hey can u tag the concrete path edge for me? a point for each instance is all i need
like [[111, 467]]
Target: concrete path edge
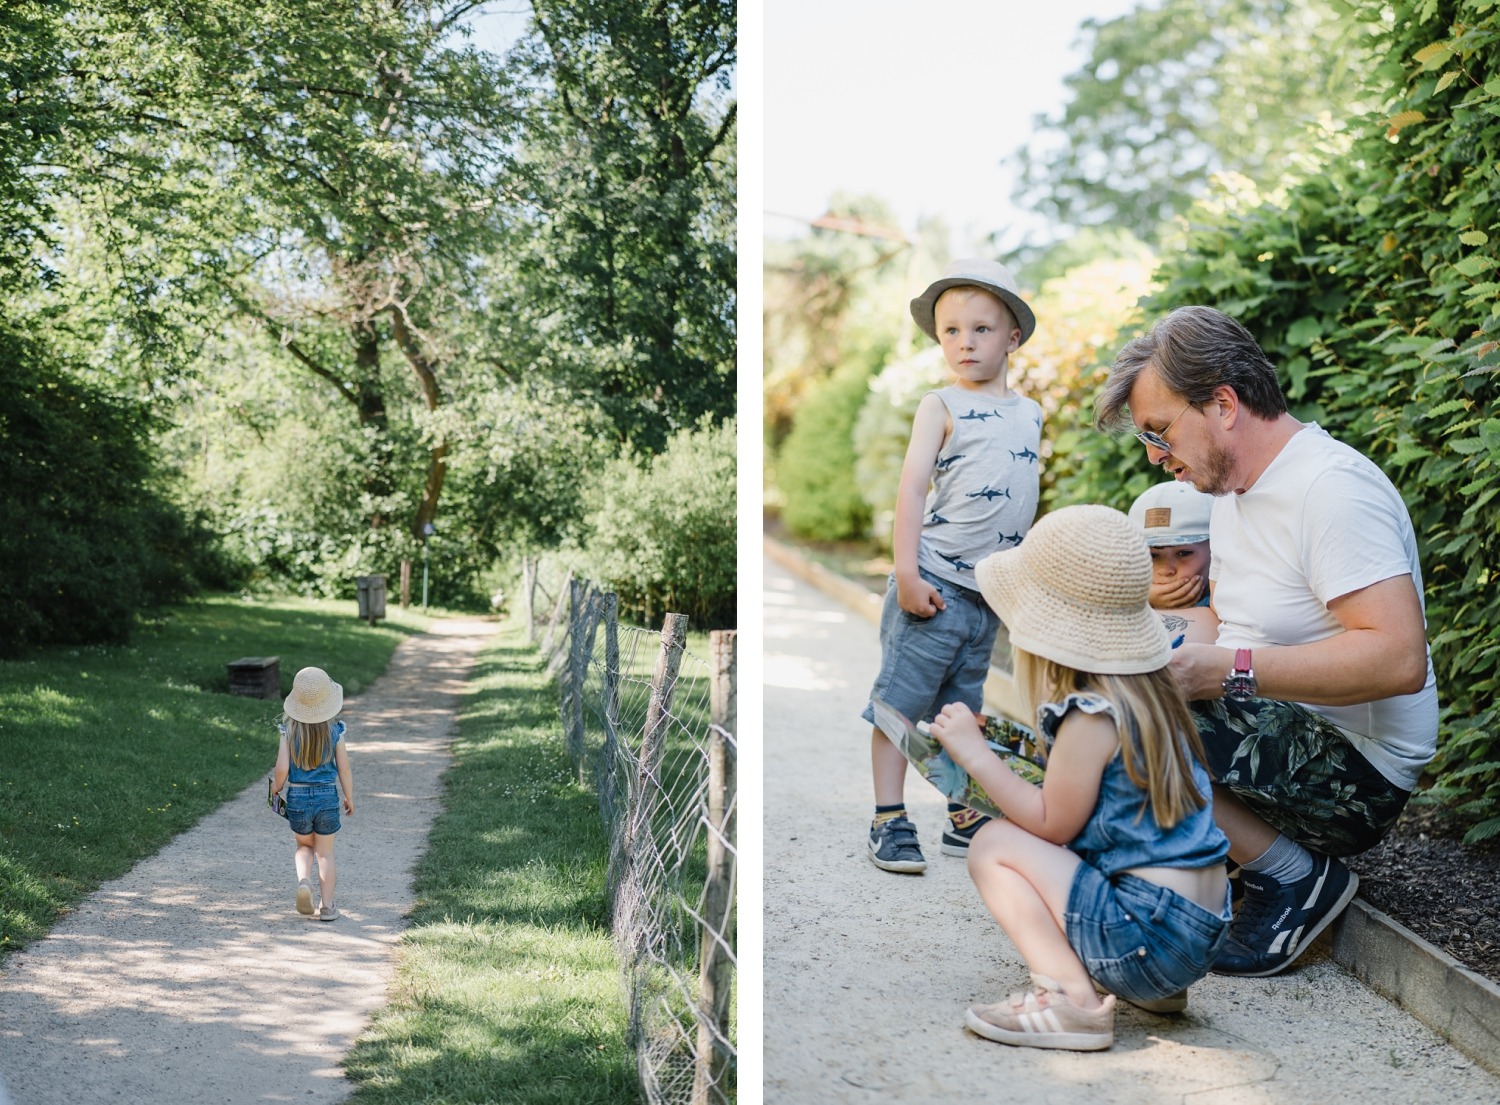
[[1460, 1005]]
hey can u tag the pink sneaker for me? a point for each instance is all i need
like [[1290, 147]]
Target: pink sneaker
[[1045, 1018]]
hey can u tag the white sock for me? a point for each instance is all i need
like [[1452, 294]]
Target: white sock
[[1285, 860]]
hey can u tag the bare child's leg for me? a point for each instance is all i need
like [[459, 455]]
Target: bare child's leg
[[888, 768], [327, 870], [1025, 881], [893, 838], [302, 859]]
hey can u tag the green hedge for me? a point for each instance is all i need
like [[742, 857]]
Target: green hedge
[[87, 536], [1374, 287], [662, 532], [815, 468]]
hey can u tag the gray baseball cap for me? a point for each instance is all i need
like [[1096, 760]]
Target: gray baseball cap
[[975, 272], [1172, 513]]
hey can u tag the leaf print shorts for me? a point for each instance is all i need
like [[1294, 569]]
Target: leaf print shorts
[[1298, 772]]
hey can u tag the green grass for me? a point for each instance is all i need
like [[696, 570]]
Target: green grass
[[508, 986], [106, 753]]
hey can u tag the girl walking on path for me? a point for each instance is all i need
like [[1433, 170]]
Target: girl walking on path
[[1112, 871], [312, 755]]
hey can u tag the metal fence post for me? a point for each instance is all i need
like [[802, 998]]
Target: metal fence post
[[716, 957]]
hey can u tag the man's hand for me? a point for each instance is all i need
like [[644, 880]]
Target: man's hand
[[1200, 670], [918, 597], [957, 729], [1182, 591]]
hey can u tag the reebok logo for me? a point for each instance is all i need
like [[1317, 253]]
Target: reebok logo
[[1282, 918]]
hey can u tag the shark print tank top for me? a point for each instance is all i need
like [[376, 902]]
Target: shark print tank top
[[985, 484]]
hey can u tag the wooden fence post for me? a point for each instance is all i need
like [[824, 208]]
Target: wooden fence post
[[646, 792], [562, 600], [716, 964], [582, 654], [663, 686], [611, 665]]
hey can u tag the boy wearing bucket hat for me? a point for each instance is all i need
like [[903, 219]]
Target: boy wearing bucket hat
[[312, 762], [969, 486], [1111, 872]]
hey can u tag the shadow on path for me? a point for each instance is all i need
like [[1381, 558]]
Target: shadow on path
[[193, 979]]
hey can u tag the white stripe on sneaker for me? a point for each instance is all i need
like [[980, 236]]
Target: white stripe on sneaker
[[1318, 884]]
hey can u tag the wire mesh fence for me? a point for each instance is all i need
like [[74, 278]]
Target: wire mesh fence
[[651, 727]]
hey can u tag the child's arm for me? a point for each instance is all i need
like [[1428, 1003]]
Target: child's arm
[[283, 765], [1057, 810], [346, 776], [929, 429]]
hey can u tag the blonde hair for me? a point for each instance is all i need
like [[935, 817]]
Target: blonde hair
[[308, 742], [1158, 737]]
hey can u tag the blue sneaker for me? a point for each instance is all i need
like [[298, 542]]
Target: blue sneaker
[[956, 841], [1276, 923], [893, 847]]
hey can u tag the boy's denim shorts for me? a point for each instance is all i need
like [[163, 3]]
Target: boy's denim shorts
[[1140, 940], [926, 663], [313, 809]]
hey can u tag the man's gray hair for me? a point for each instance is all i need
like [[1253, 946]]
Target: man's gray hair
[[1193, 350]]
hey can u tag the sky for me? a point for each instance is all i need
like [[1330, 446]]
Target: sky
[[921, 105]]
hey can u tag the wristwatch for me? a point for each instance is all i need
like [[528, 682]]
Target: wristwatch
[[1239, 684]]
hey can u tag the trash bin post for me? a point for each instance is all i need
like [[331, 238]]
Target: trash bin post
[[370, 591]]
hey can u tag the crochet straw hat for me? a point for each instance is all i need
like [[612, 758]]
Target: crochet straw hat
[[314, 697], [1074, 592], [974, 272]]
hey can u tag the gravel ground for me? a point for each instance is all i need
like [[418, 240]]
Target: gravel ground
[[193, 978], [867, 974]]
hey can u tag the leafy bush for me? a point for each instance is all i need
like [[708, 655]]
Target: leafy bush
[[662, 532], [815, 468], [883, 428], [1373, 286], [87, 534]]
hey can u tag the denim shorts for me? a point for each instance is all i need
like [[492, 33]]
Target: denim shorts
[[313, 809], [926, 663], [1140, 940]]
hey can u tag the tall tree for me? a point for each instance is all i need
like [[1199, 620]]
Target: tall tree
[[621, 274], [1176, 91]]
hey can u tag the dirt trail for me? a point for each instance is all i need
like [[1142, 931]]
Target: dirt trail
[[193, 979]]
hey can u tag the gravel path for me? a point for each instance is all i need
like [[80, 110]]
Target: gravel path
[[193, 979], [867, 973]]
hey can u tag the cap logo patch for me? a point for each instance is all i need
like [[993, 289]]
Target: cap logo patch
[[1158, 516]]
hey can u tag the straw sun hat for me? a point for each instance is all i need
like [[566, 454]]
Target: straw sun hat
[[974, 272], [314, 697], [1075, 590]]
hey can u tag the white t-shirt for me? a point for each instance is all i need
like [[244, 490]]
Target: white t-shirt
[[1321, 522]]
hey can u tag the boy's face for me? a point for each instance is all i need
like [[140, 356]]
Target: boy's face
[[976, 332], [1173, 562]]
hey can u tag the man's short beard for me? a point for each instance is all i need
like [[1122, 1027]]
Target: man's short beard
[[1213, 477]]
